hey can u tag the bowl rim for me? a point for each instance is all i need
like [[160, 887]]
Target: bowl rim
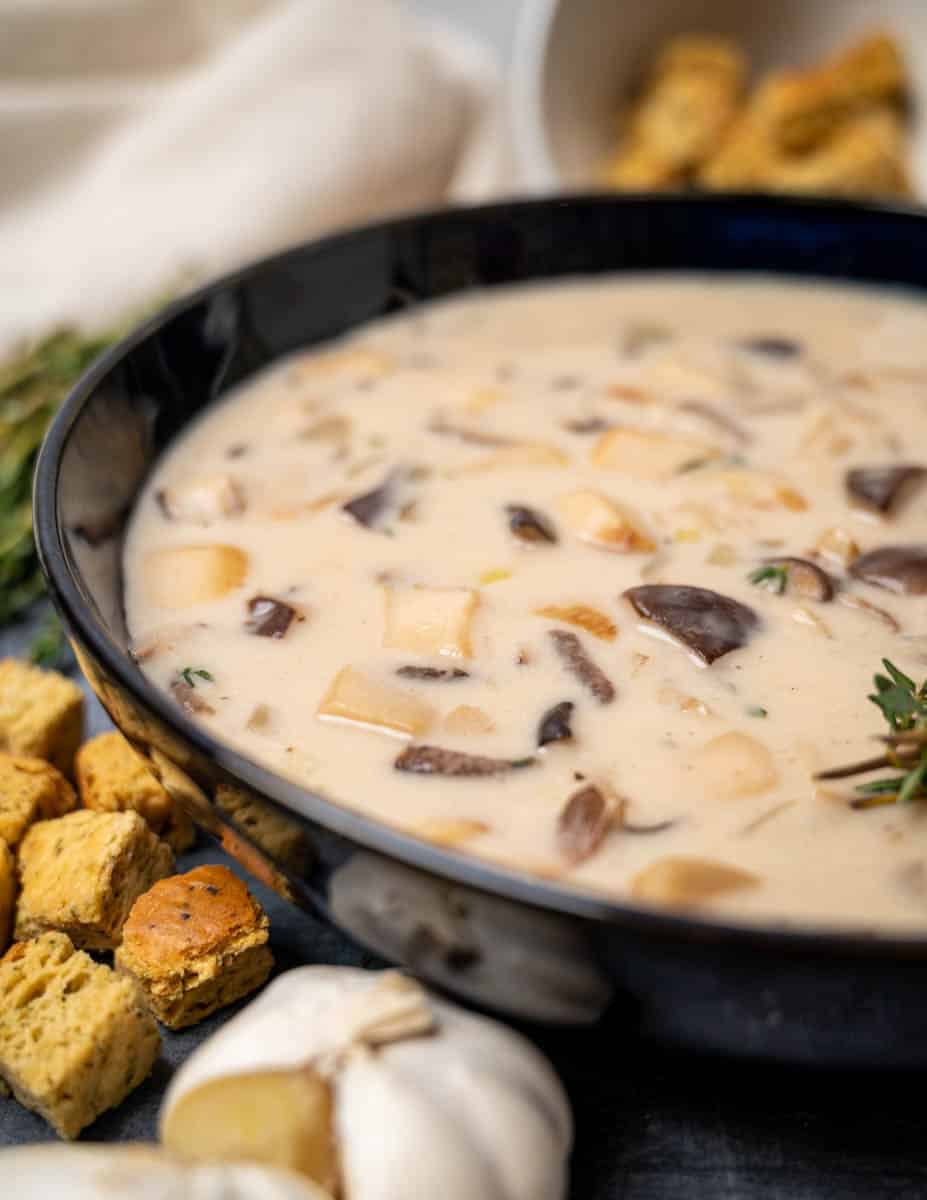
[[820, 942]]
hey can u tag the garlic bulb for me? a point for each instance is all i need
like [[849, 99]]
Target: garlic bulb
[[140, 1173], [375, 1089]]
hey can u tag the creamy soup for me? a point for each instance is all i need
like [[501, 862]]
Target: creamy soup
[[585, 579]]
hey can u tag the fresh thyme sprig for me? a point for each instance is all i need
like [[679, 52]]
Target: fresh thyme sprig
[[774, 578], [903, 704], [32, 386], [190, 675]]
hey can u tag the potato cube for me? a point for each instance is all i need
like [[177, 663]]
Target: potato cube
[[526, 454], [82, 873], [468, 719], [425, 620], [183, 575], [649, 455], [30, 790], [204, 500], [361, 700], [679, 882], [735, 765], [41, 713], [595, 519]]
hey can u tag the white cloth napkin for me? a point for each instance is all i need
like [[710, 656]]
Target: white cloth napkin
[[147, 144]]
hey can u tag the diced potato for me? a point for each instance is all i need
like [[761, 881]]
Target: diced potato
[[679, 882], [468, 719], [583, 615], [204, 500], [482, 398], [646, 454], [426, 620], [357, 698], [183, 575], [758, 489], [362, 361], [722, 555], [804, 616], [451, 832], [526, 454], [673, 698], [838, 546], [279, 1118], [594, 518], [735, 765]]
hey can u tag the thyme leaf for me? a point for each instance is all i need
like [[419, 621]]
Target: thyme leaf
[[190, 675], [773, 577]]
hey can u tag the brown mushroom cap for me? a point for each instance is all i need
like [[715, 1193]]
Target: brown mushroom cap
[[708, 623], [881, 488], [805, 578], [900, 569]]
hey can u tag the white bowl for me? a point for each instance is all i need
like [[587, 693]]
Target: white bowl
[[576, 60]]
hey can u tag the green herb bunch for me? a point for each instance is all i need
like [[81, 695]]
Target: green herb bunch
[[32, 386], [903, 704]]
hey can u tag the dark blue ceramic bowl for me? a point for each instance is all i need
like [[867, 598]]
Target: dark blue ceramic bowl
[[517, 944]]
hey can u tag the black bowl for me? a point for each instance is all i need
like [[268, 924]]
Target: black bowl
[[516, 944]]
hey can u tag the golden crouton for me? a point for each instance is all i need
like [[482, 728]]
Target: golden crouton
[[195, 943], [75, 1037], [41, 713], [801, 109], [82, 873], [30, 790], [7, 893], [682, 115], [865, 156], [113, 777]]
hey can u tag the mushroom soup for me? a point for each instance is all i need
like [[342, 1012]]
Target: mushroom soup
[[590, 579]]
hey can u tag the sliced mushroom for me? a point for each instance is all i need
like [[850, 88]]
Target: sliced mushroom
[[432, 673], [555, 724], [529, 525], [772, 346], [707, 623], [270, 618], [369, 507], [189, 698], [435, 760], [850, 600], [718, 419], [882, 488], [583, 824], [470, 437], [578, 662], [585, 425], [900, 569], [803, 578]]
